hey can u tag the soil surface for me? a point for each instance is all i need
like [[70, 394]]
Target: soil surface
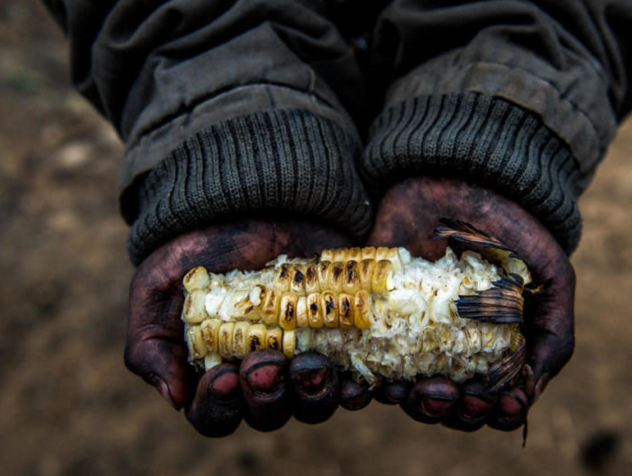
[[69, 406]]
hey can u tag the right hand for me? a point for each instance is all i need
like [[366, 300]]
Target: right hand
[[265, 389]]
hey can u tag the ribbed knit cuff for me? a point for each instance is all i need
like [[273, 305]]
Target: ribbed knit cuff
[[282, 160], [487, 140]]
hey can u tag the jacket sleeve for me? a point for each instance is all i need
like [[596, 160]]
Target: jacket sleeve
[[521, 96], [226, 107]]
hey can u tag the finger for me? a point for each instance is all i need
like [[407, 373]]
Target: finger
[[511, 410], [431, 399], [263, 376], [216, 409], [353, 395], [315, 387], [392, 393], [550, 330], [473, 409], [155, 349]]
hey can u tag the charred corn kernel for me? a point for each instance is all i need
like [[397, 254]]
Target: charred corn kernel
[[302, 319], [197, 278], [314, 312], [336, 276], [289, 343], [194, 310], [324, 272], [311, 279], [389, 254], [345, 311], [297, 281], [256, 337], [271, 306], [210, 333], [379, 313], [365, 273], [329, 307], [240, 342], [196, 342], [225, 340], [351, 278], [284, 278], [287, 315], [274, 338]]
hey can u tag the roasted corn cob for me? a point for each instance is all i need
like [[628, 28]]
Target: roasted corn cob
[[378, 312]]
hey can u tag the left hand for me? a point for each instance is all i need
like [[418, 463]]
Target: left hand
[[406, 217]]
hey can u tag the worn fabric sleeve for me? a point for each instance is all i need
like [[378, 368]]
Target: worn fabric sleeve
[[521, 96], [226, 108]]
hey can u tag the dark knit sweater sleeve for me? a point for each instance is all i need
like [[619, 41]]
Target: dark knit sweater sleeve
[[227, 108], [520, 96]]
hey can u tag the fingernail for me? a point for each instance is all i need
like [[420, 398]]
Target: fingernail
[[392, 393], [265, 378], [163, 389], [436, 405], [224, 385], [511, 404], [353, 396], [540, 385], [475, 407], [312, 381]]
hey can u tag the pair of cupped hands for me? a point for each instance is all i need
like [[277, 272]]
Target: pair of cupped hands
[[266, 389]]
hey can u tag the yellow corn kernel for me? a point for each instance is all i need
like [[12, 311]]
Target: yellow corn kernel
[[193, 311], [311, 278], [256, 337], [271, 306], [329, 306], [351, 278], [368, 252], [240, 342], [289, 343], [283, 278], [341, 254], [225, 342], [345, 311], [327, 255], [302, 319], [196, 342], [210, 333], [354, 254], [287, 312], [314, 311], [197, 278], [380, 279], [274, 338], [365, 273], [297, 279], [323, 270], [336, 276]]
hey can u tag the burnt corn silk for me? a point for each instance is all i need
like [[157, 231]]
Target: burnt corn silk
[[377, 312]]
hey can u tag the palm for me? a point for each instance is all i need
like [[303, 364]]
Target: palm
[[407, 216], [265, 388]]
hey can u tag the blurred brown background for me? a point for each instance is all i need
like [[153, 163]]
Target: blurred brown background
[[69, 407]]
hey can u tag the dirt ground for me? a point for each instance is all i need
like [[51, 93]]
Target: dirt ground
[[68, 405]]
